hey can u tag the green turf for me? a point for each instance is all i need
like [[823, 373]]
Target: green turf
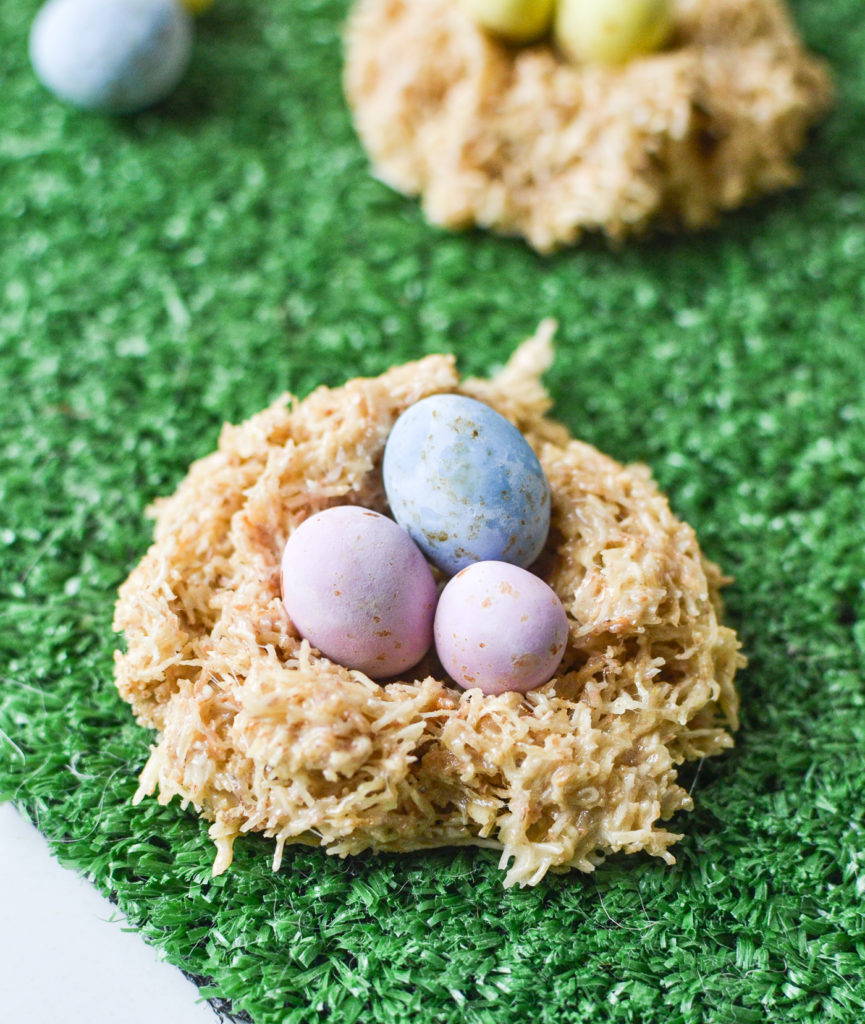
[[164, 274]]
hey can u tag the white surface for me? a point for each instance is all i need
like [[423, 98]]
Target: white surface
[[64, 956]]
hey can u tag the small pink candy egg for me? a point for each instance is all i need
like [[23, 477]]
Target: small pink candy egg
[[358, 588], [499, 628]]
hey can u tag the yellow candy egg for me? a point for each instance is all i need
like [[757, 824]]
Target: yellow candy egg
[[197, 6], [611, 31], [515, 21]]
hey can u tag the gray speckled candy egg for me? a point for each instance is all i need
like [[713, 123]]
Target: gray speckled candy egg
[[357, 587], [500, 628], [465, 484]]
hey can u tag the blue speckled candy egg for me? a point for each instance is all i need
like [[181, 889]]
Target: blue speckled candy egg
[[116, 56], [465, 484], [500, 628], [357, 587]]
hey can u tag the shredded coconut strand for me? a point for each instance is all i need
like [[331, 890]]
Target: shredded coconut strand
[[261, 733], [523, 142]]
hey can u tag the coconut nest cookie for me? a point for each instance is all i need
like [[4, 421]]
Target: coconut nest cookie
[[523, 142], [261, 733]]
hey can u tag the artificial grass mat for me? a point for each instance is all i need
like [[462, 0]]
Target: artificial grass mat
[[166, 273]]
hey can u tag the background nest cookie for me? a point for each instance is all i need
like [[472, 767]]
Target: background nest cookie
[[261, 733], [521, 142]]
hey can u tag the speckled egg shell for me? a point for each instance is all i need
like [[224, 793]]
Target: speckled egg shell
[[357, 587], [115, 56], [466, 484], [499, 628]]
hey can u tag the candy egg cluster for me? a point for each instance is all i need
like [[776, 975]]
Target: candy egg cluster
[[467, 493], [586, 31]]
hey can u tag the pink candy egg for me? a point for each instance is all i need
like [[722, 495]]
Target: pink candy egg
[[357, 587], [499, 628]]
